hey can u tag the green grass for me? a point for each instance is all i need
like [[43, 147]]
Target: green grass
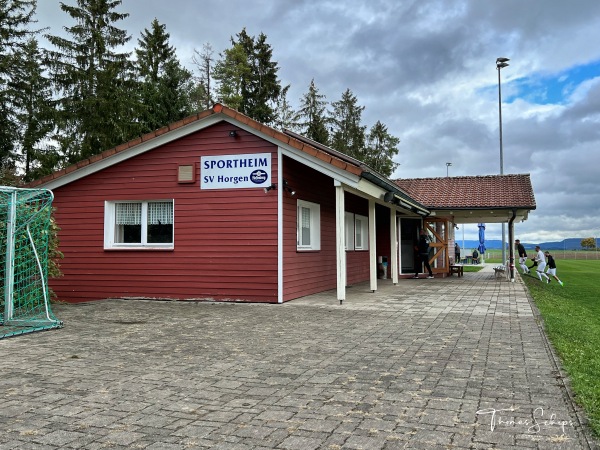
[[572, 322], [467, 268]]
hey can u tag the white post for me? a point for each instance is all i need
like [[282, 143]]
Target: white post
[[372, 247], [340, 241], [394, 246], [9, 270]]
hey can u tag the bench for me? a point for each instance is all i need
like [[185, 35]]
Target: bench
[[501, 270], [458, 269]]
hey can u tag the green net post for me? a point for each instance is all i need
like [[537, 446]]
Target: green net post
[[24, 236]]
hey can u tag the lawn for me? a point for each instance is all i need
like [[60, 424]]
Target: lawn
[[572, 322]]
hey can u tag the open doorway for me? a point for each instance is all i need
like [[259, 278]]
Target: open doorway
[[409, 235], [437, 233]]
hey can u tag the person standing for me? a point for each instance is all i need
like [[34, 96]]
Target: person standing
[[423, 249], [522, 256], [456, 253], [552, 266], [540, 259]]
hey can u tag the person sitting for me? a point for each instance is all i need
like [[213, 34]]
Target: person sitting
[[475, 257]]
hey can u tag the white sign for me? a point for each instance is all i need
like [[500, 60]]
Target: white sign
[[235, 171]]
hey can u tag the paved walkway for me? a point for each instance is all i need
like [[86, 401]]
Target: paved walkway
[[454, 363]]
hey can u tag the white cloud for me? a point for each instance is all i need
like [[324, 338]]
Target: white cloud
[[426, 68]]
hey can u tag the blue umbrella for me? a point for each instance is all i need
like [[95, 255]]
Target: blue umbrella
[[481, 247]]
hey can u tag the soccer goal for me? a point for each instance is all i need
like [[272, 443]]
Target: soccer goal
[[24, 234]]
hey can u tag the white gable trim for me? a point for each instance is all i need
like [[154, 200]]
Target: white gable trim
[[288, 150], [133, 151]]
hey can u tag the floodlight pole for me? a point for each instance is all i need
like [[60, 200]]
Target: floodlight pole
[[501, 63]]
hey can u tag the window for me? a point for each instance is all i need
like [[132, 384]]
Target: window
[[356, 231], [361, 235], [349, 231], [309, 226], [361, 229], [138, 224]]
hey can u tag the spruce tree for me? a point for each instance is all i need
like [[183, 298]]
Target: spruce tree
[[247, 77], [95, 84], [348, 134], [381, 149], [165, 85], [15, 19], [35, 113], [313, 115], [231, 72], [285, 116]]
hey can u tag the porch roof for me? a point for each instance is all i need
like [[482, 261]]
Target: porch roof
[[471, 199]]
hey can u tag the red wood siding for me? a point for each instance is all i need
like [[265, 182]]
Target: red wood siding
[[225, 240], [307, 273], [382, 225], [357, 261]]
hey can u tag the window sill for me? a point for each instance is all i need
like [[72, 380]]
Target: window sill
[[146, 248]]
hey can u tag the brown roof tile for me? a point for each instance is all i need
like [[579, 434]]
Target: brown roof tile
[[496, 191], [216, 109]]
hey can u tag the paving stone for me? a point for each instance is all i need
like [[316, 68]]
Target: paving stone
[[416, 365], [300, 443]]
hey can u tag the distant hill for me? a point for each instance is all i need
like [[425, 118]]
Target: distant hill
[[496, 244]]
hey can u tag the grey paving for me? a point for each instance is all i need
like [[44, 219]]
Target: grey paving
[[454, 363]]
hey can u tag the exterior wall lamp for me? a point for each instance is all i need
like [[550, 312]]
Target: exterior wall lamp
[[269, 188], [288, 189]]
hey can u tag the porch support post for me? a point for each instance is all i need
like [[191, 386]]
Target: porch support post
[[394, 246], [372, 246], [340, 241], [511, 245]]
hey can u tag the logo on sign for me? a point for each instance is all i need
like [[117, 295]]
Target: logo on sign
[[258, 176]]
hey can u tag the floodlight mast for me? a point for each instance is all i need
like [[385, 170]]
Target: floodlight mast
[[500, 64]]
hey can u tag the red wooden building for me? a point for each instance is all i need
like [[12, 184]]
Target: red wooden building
[[221, 207]]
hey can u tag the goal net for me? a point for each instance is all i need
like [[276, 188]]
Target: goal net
[[24, 235]]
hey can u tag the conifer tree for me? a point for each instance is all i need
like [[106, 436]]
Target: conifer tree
[[381, 149], [203, 93], [15, 18], [231, 72], [35, 113], [313, 115], [95, 84], [348, 134], [165, 85], [285, 116], [247, 77]]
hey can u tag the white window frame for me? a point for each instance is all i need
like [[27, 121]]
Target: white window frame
[[110, 228], [349, 230], [361, 225], [314, 226]]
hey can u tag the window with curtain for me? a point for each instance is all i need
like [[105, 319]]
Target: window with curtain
[[138, 224]]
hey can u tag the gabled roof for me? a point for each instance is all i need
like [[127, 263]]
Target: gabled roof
[[490, 191], [367, 172], [354, 168], [417, 195], [189, 125]]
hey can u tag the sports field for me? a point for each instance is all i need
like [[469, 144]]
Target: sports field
[[572, 321]]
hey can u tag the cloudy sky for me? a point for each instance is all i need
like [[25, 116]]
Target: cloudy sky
[[427, 69]]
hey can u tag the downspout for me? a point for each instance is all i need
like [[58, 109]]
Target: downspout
[[511, 246]]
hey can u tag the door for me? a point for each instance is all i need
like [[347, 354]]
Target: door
[[437, 229]]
